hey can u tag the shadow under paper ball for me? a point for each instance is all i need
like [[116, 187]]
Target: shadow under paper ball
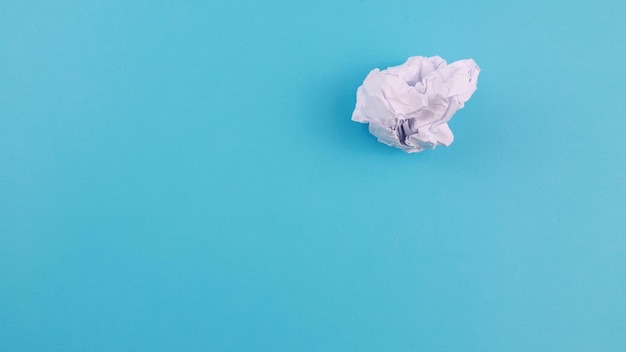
[[338, 95]]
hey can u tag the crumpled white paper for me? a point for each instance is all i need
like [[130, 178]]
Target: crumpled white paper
[[409, 106]]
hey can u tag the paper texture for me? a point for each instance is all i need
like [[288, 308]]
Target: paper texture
[[409, 106]]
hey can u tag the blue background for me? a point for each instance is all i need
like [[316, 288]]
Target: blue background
[[184, 176]]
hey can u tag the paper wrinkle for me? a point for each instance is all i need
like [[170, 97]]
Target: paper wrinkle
[[408, 106]]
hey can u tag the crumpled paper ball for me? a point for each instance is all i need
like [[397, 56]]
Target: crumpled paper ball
[[409, 106]]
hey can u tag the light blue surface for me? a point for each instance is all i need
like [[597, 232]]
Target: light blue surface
[[184, 176]]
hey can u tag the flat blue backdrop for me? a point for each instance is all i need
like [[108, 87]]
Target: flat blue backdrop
[[184, 176]]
